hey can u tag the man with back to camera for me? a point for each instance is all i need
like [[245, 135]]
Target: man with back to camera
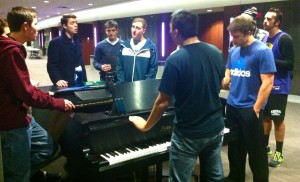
[[65, 54], [25, 144], [282, 47], [193, 75], [250, 71], [106, 51], [137, 59]]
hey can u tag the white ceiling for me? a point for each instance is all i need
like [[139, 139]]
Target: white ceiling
[[107, 9], [54, 6]]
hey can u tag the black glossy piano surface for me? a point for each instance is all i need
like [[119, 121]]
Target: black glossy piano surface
[[111, 134], [108, 136], [102, 103]]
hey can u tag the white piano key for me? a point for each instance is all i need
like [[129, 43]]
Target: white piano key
[[136, 152]]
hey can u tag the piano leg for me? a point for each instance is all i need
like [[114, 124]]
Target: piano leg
[[158, 172], [145, 175]]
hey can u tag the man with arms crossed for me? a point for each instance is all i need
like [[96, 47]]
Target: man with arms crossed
[[193, 75], [25, 144], [281, 45], [250, 72]]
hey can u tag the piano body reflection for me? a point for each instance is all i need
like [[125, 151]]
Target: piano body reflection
[[110, 143], [97, 97]]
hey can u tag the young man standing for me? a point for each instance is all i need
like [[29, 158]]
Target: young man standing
[[25, 144], [137, 59], [193, 75], [106, 51], [250, 72], [281, 45], [65, 54]]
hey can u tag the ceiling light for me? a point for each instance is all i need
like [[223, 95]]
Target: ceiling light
[[90, 4], [46, 1], [58, 13], [33, 7], [209, 10], [72, 9]]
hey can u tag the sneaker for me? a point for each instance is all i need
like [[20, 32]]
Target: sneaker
[[269, 151], [277, 160]]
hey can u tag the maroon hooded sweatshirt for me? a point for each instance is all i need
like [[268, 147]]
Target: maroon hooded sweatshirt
[[16, 89]]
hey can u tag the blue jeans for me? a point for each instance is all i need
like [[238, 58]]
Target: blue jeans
[[184, 153], [24, 150]]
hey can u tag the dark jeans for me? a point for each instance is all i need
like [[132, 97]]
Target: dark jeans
[[24, 150], [251, 142], [184, 153]]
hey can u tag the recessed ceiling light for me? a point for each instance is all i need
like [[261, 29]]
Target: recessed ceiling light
[[209, 10], [33, 7], [90, 4], [58, 13], [46, 1], [72, 9], [48, 16]]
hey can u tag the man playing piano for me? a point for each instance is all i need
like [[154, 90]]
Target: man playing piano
[[193, 74]]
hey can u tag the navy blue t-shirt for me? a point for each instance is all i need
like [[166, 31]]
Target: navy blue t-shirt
[[193, 74]]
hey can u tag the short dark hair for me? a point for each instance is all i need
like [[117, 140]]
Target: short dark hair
[[186, 23], [18, 15], [3, 24], [242, 23], [64, 19], [278, 16], [110, 24]]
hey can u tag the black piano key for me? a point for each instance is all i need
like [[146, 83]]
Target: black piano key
[[112, 153], [142, 146], [123, 151], [106, 155], [120, 151], [132, 149]]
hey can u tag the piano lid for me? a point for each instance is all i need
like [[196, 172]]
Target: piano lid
[[138, 95]]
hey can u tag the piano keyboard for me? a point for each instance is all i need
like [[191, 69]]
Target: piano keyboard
[[134, 152], [130, 153]]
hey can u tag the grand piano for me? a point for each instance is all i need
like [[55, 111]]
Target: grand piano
[[111, 145]]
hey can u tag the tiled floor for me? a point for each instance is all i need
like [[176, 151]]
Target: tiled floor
[[288, 172]]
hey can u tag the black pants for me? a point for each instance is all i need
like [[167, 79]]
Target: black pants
[[251, 142]]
